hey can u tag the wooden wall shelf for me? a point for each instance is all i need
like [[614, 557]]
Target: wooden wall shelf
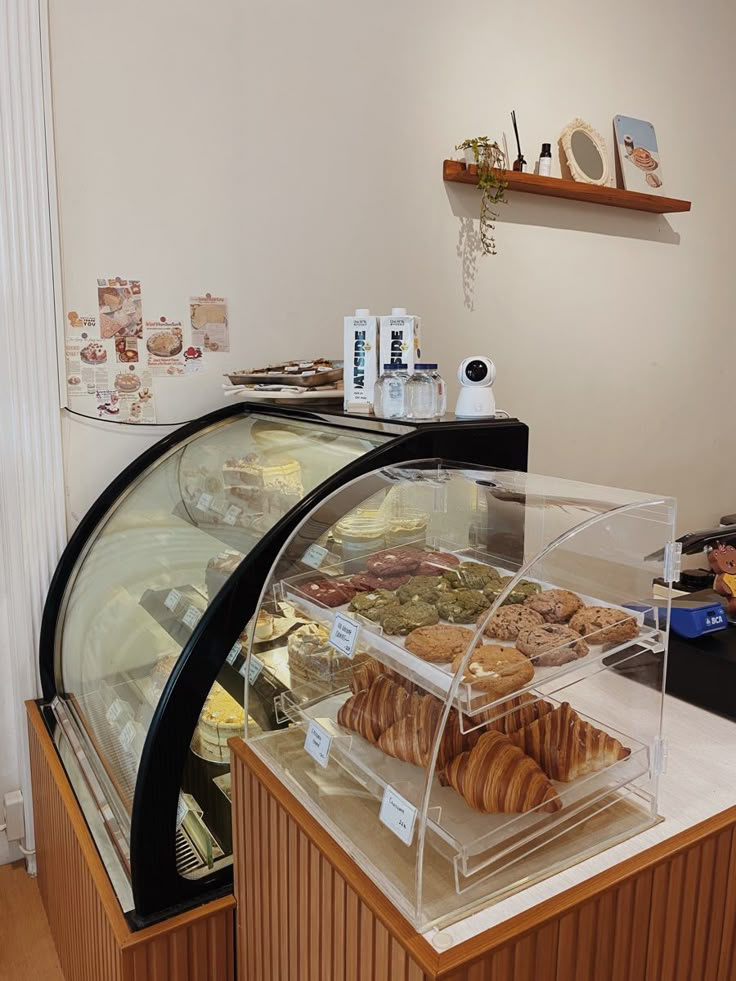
[[455, 171]]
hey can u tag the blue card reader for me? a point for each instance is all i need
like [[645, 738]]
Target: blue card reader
[[693, 618]]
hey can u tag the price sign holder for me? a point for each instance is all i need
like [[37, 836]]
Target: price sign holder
[[398, 814]]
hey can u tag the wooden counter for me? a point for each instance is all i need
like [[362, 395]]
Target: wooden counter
[[661, 905]]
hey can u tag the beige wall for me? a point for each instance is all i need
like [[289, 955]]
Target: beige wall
[[289, 156]]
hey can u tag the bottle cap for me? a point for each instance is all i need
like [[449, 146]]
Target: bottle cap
[[398, 312], [362, 312], [546, 150], [401, 365], [425, 365], [390, 367]]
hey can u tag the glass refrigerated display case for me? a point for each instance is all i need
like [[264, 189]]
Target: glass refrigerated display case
[[478, 704], [151, 611]]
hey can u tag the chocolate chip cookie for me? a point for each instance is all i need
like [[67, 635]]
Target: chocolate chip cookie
[[605, 625], [551, 644], [497, 670], [506, 623], [440, 642], [555, 605]]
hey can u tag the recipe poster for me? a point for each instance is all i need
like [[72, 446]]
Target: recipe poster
[[105, 385], [120, 304], [208, 315], [164, 343]]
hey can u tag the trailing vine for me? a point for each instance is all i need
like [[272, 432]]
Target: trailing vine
[[490, 160]]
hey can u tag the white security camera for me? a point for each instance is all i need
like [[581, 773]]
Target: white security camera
[[476, 376]]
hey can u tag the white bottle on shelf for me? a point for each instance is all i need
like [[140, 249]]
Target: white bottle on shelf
[[440, 389], [400, 338], [392, 391]]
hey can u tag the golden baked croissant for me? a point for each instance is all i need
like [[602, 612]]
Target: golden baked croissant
[[374, 709], [364, 674], [520, 710], [412, 737], [566, 747], [495, 776]]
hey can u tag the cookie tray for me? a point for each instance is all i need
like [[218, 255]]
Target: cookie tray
[[437, 678], [471, 839]]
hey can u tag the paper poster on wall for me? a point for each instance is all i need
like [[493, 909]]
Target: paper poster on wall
[[208, 316], [121, 307], [126, 350], [164, 341], [88, 363], [134, 391], [193, 359], [78, 321]]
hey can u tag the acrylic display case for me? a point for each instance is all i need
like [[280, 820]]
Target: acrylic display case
[[477, 705], [149, 616]]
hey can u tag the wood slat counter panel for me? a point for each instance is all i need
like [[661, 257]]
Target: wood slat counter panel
[[92, 937], [307, 912]]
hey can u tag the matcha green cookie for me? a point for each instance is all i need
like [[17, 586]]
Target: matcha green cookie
[[519, 594], [374, 605], [407, 617], [425, 588], [471, 575], [462, 605]]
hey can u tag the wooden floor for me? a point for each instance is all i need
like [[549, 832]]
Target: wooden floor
[[27, 951]]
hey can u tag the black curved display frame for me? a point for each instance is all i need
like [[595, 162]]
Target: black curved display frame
[[158, 889]]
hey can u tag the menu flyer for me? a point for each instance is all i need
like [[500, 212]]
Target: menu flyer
[[121, 311], [208, 315]]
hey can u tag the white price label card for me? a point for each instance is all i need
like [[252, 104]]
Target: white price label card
[[256, 666], [315, 556], [232, 514], [398, 815], [234, 651], [127, 735], [344, 634], [192, 617], [318, 743], [204, 502], [182, 809], [172, 600], [114, 710]]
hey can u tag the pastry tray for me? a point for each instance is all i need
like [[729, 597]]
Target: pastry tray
[[437, 678], [473, 840], [314, 379]]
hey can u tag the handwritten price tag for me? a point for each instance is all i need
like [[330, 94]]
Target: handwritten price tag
[[172, 600], [398, 815], [232, 514], [318, 743], [127, 735], [192, 617], [114, 711], [234, 651], [256, 666], [314, 556], [182, 809], [344, 634], [204, 502]]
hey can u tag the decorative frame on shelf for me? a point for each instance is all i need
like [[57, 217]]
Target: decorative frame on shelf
[[578, 173]]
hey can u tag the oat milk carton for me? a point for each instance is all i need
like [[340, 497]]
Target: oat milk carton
[[361, 361], [400, 338]]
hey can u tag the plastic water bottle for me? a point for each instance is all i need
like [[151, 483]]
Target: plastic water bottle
[[388, 395], [421, 393], [440, 392]]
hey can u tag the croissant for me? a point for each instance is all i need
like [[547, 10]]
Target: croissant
[[495, 776], [566, 747], [374, 709], [412, 737], [520, 710], [364, 674]]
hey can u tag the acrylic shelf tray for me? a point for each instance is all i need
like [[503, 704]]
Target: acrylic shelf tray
[[470, 839]]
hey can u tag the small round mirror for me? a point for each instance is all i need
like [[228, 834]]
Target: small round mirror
[[587, 155]]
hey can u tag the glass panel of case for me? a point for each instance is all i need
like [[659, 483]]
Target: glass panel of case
[[473, 692], [153, 565]]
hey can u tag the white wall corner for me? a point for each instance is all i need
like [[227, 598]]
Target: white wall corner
[[32, 528]]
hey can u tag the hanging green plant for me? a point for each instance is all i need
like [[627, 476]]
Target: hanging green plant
[[490, 160]]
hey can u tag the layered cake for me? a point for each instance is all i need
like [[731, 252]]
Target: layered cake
[[315, 667], [219, 569], [221, 719], [264, 486]]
